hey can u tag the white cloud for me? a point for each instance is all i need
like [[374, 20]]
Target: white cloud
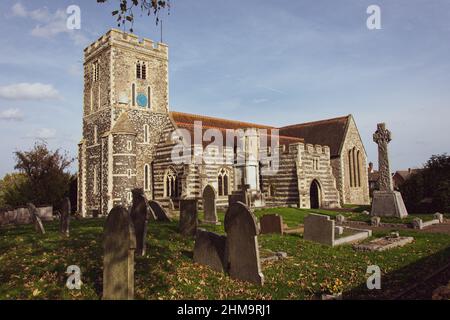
[[18, 10], [259, 100], [29, 91], [49, 24], [11, 115]]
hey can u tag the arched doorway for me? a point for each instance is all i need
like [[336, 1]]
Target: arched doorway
[[314, 195]]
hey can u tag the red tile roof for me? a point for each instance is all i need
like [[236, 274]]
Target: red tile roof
[[329, 132]]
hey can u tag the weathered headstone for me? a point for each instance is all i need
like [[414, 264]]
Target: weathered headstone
[[64, 220], [338, 230], [119, 243], [242, 244], [188, 217], [209, 205], [386, 201], [159, 211], [340, 218], [439, 216], [210, 250], [139, 214], [319, 228], [375, 221], [38, 226], [271, 223]]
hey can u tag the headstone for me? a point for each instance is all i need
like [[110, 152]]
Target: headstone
[[439, 216], [340, 218], [38, 226], [64, 220], [209, 205], [209, 250], [159, 211], [338, 230], [45, 213], [386, 201], [375, 221], [417, 223], [242, 244], [319, 228], [271, 223], [188, 217], [139, 214], [119, 243]]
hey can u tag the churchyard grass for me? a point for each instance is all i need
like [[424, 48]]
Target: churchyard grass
[[33, 266]]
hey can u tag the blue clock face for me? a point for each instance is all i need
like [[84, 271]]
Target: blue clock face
[[142, 100]]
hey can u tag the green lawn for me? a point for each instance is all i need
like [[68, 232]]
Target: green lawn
[[33, 266]]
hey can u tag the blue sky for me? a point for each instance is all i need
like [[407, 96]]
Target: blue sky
[[271, 62]]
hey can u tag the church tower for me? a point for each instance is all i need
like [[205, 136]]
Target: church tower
[[125, 108]]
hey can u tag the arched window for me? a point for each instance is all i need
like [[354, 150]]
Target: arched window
[[354, 161], [149, 97], [223, 182], [171, 189], [133, 95], [95, 180], [146, 177], [146, 133], [95, 134], [91, 99]]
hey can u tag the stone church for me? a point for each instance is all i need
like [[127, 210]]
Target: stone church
[[130, 134]]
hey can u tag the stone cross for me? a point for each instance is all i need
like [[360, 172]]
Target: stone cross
[[382, 137], [119, 243]]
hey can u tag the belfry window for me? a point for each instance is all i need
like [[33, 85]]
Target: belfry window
[[141, 70], [95, 71]]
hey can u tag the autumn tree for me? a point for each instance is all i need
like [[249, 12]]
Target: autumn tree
[[126, 9], [47, 174]]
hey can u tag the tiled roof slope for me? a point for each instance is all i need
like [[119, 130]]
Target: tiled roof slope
[[329, 132]]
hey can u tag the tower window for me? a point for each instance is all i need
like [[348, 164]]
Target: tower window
[[95, 134], [141, 70], [149, 97], [146, 177], [129, 146], [129, 173], [144, 71], [95, 71], [146, 133], [133, 95]]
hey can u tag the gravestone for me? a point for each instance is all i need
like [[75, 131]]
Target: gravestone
[[209, 250], [209, 205], [242, 244], [159, 211], [340, 218], [119, 243], [271, 223], [139, 216], [319, 228], [439, 216], [38, 226], [188, 217], [375, 221], [386, 201], [64, 220]]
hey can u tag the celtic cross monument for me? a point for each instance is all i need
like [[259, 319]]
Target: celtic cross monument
[[386, 201]]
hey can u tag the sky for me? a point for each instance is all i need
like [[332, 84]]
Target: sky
[[264, 61]]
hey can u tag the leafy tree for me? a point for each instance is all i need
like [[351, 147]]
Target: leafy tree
[[46, 172], [125, 10], [14, 190], [433, 183]]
